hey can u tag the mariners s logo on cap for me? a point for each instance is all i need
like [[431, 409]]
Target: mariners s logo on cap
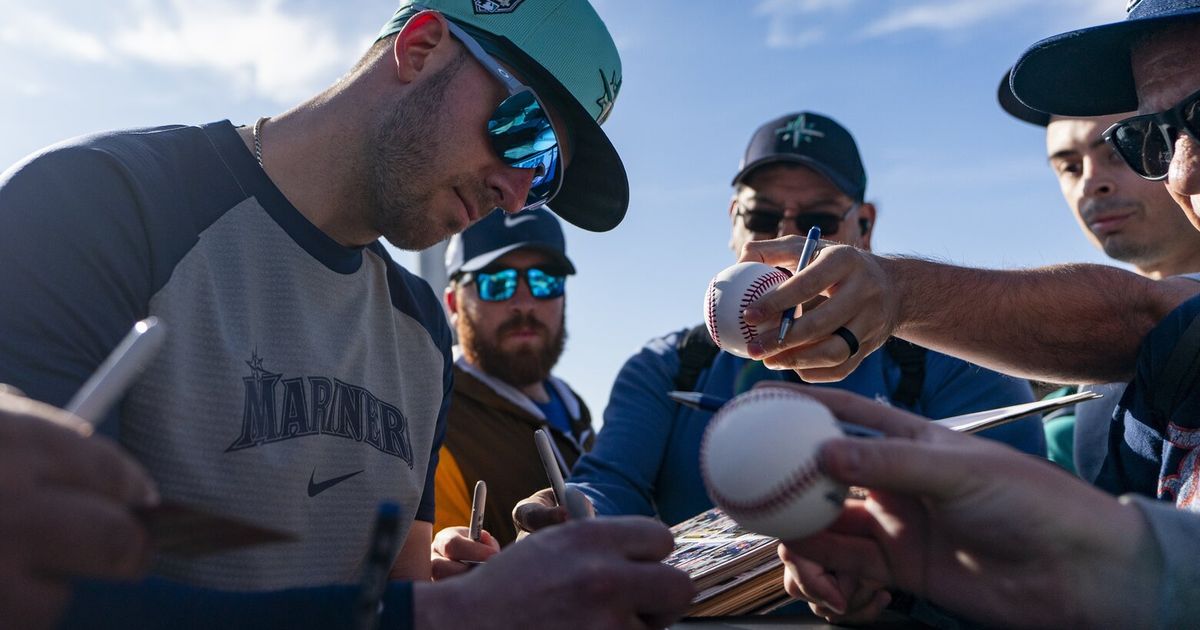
[[611, 87], [798, 130], [492, 7]]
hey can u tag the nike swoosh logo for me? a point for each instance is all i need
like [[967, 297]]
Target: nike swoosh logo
[[511, 221], [317, 488]]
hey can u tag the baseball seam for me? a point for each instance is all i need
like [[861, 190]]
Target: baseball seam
[[801, 479], [753, 292], [711, 300]]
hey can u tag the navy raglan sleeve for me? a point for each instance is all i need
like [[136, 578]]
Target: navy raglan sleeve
[[413, 295], [74, 268], [427, 509], [159, 603]]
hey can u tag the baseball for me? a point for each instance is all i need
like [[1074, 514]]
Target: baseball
[[758, 460], [729, 293]]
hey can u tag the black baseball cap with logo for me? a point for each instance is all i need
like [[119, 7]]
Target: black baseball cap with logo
[[811, 140], [500, 233]]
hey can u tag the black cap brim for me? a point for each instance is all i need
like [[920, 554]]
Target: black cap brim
[[1085, 72], [595, 191]]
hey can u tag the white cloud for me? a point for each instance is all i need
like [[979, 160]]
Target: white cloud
[[266, 50], [783, 37], [941, 16], [785, 26], [798, 7], [263, 49], [24, 29]]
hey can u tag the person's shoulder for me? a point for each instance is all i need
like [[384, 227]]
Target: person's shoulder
[[412, 295], [141, 162]]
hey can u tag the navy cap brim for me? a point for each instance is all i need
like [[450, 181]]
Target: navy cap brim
[[1015, 108], [1085, 72], [483, 260], [837, 180]]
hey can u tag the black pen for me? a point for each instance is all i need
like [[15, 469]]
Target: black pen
[[385, 543], [708, 402]]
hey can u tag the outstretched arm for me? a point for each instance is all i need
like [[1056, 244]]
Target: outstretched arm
[[1064, 323]]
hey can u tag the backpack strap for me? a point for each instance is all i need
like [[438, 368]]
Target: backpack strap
[[911, 359], [696, 352], [1179, 373]]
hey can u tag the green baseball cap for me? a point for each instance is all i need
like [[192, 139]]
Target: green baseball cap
[[563, 50]]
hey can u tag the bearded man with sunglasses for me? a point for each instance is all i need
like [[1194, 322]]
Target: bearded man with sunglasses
[[305, 377], [507, 301], [937, 499]]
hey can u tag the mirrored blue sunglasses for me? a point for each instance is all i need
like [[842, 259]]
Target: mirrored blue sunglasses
[[520, 128], [501, 284]]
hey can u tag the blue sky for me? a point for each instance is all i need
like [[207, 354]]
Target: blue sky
[[913, 80]]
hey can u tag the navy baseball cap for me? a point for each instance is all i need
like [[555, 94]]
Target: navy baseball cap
[[1013, 105], [1089, 72], [811, 140], [500, 233]]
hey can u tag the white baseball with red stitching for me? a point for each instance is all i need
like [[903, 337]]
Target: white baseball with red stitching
[[758, 460], [728, 295]]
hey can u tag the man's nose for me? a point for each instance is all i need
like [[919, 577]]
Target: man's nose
[[510, 187], [1183, 178], [1098, 180]]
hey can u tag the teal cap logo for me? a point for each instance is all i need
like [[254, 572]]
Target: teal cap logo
[[611, 86], [798, 130], [494, 7]]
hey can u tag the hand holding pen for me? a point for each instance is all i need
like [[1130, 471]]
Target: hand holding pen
[[806, 254], [572, 502]]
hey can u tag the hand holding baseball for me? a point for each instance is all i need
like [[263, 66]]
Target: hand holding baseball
[[759, 462], [972, 525], [862, 298]]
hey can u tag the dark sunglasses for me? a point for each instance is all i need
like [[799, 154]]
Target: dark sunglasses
[[767, 221], [501, 284], [520, 128], [1147, 142]]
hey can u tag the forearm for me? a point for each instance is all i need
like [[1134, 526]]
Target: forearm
[[1064, 323]]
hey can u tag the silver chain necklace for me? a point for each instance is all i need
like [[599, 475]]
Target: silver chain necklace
[[256, 132]]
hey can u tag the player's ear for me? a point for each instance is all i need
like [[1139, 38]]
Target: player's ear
[[867, 214], [450, 296], [416, 43]]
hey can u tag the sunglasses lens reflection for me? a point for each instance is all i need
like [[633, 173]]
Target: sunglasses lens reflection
[[502, 285], [521, 134]]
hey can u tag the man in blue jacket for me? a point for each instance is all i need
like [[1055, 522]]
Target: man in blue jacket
[[800, 170]]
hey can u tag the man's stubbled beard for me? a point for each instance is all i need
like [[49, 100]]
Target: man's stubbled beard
[[404, 164]]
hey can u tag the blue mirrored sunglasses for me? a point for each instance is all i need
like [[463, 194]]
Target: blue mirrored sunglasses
[[520, 128], [501, 285]]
